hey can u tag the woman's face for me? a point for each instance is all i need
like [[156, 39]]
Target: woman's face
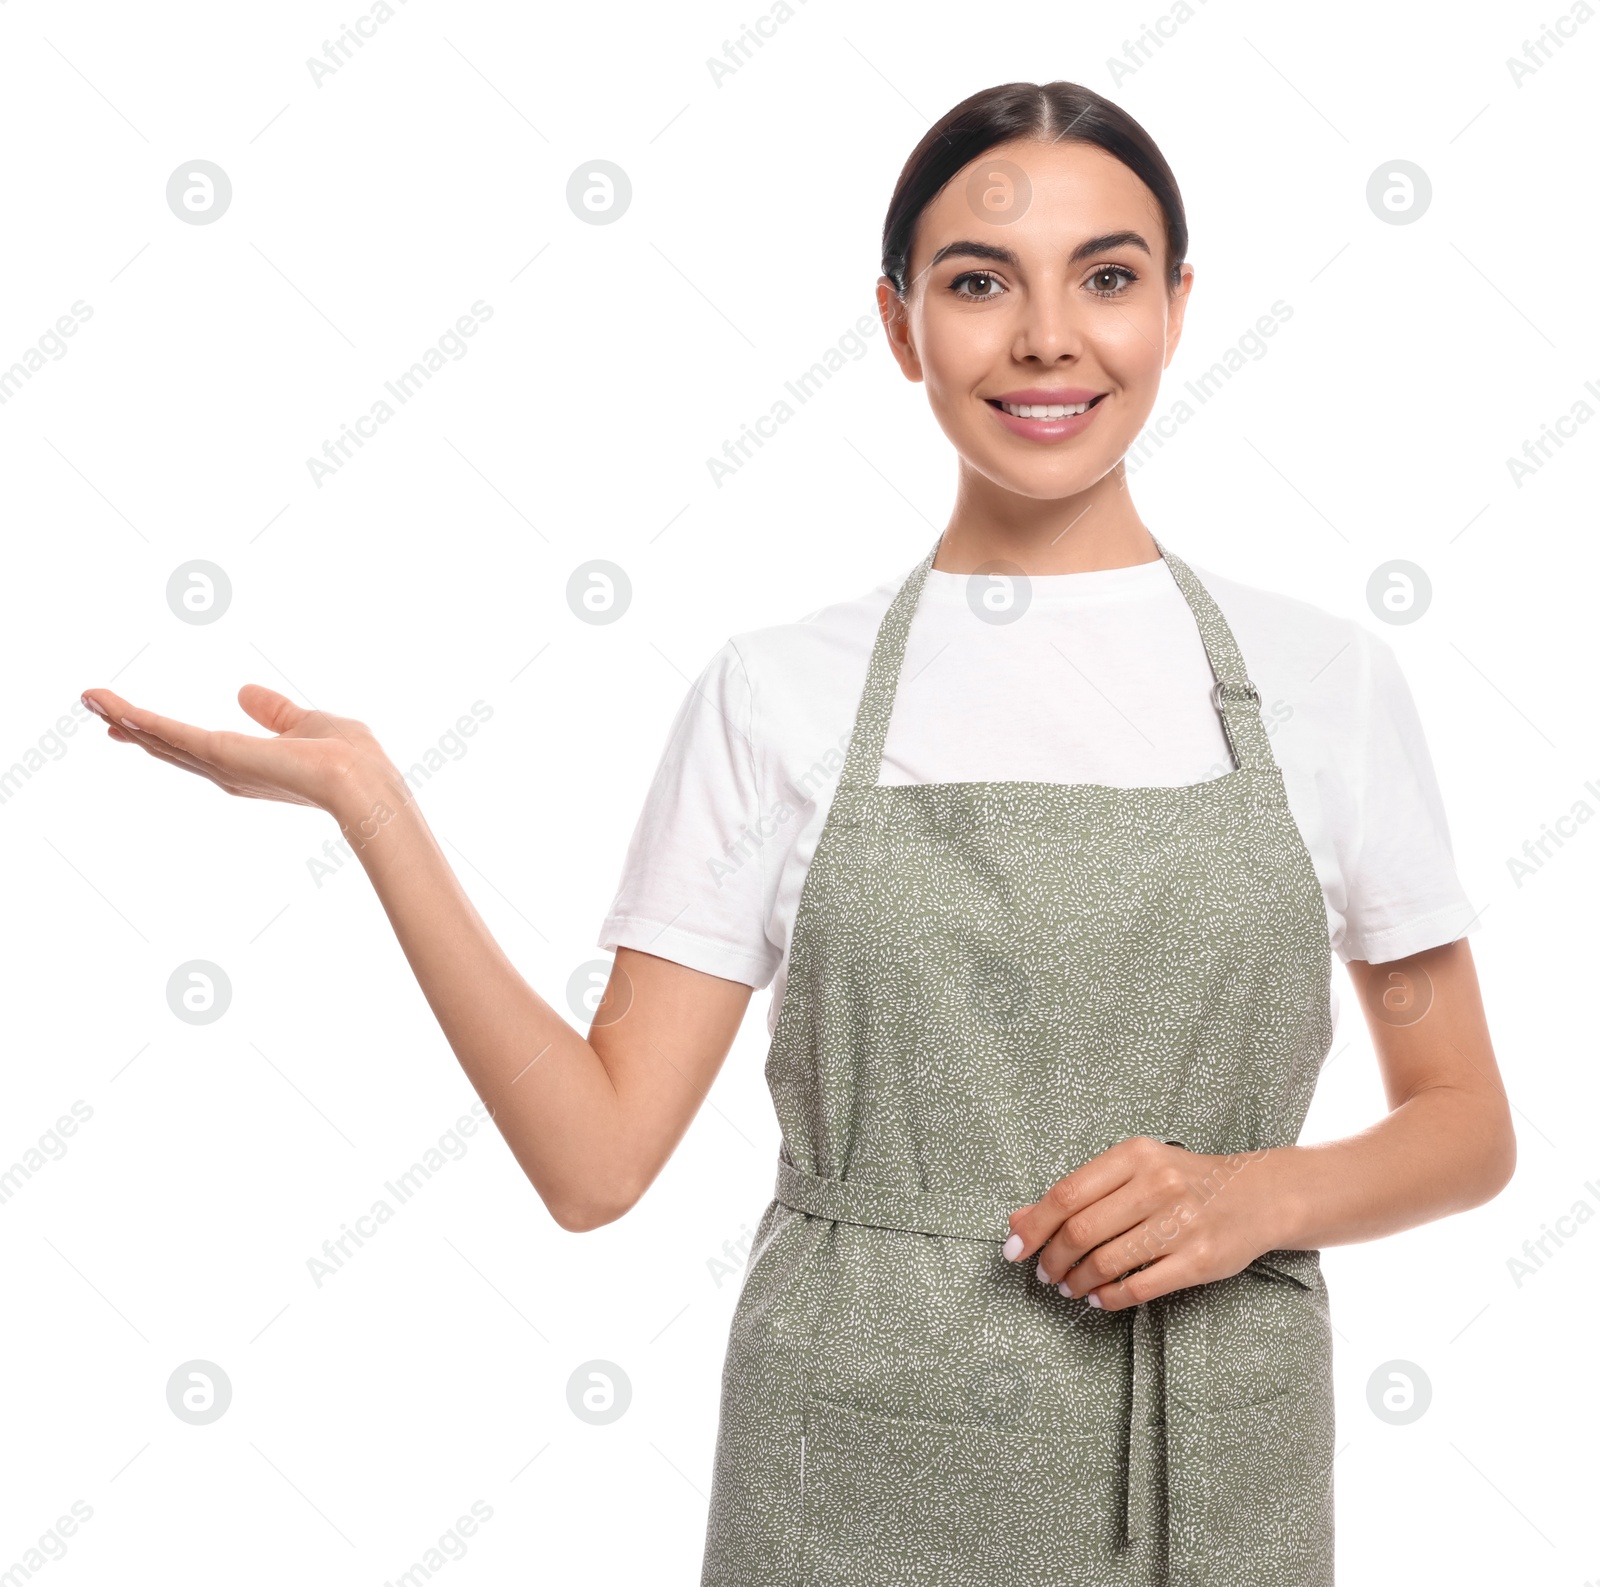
[[1037, 281]]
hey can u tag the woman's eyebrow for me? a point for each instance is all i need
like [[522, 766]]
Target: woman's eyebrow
[[977, 250], [1112, 239], [1084, 250]]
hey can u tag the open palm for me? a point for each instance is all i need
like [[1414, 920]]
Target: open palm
[[310, 759]]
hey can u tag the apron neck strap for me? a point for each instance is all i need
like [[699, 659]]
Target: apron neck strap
[[865, 754], [1234, 696]]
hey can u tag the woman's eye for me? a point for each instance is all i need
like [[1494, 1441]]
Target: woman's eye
[[1109, 280], [977, 285]]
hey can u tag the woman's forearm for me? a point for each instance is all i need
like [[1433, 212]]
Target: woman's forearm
[[1442, 1151], [550, 1094], [1447, 1142]]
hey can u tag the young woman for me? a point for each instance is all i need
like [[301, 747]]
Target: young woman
[[1047, 845]]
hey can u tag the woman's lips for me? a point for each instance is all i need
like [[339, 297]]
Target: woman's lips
[[1032, 428]]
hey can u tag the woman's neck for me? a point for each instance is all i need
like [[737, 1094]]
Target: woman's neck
[[1096, 529]]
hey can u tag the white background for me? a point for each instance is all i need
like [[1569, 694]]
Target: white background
[[430, 572]]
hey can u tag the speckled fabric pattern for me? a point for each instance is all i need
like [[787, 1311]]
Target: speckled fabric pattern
[[989, 984]]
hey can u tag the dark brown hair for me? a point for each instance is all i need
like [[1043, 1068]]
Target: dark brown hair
[[1065, 112]]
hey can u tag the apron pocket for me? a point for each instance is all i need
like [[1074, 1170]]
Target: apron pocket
[[1267, 1333], [1266, 1491], [890, 1501], [1294, 1267], [1251, 1427]]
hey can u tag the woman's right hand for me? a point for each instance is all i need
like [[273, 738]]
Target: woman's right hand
[[312, 759]]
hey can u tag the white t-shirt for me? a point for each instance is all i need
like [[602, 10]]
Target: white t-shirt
[[1103, 679]]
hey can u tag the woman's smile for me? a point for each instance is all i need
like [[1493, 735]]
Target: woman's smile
[[1046, 414]]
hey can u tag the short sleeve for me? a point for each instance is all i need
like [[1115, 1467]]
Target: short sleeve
[[693, 883], [1402, 890]]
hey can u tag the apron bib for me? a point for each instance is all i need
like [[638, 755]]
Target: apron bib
[[989, 984]]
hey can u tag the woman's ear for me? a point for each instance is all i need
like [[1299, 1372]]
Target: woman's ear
[[1176, 304], [896, 319]]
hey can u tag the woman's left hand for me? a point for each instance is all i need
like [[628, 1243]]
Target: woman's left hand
[[1192, 1217]]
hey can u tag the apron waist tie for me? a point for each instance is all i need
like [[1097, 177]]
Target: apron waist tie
[[1145, 1342], [956, 1214], [983, 1216]]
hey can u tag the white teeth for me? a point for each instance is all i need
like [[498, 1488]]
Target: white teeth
[[1044, 410]]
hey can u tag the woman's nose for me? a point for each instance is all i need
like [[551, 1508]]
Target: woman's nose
[[1049, 331]]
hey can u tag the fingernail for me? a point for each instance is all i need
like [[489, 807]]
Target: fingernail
[[1062, 1286], [94, 706], [126, 723], [1012, 1249], [1040, 1274], [1094, 1300]]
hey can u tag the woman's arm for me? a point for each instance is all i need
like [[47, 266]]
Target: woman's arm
[[1182, 1217], [590, 1121], [1446, 1143]]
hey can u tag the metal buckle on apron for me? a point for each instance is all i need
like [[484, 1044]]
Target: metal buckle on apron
[[1249, 690]]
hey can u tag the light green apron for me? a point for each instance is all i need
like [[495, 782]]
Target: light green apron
[[989, 984]]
